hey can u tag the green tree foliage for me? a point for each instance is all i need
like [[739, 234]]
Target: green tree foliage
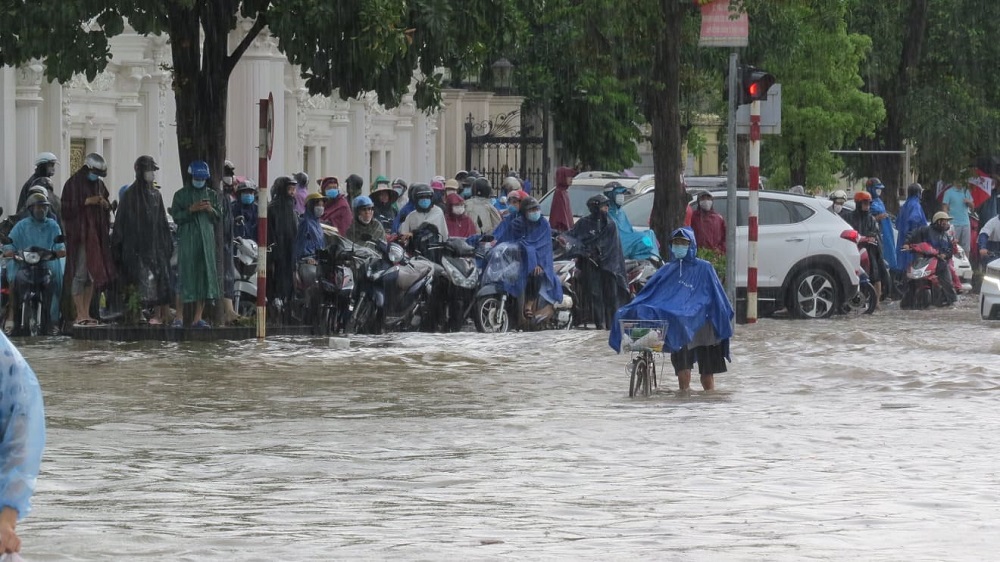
[[806, 45]]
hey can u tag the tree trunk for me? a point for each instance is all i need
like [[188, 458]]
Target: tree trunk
[[201, 83], [663, 113]]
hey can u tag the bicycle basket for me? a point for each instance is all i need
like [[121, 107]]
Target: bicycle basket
[[643, 335]]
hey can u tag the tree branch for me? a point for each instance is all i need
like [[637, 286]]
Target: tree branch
[[234, 57]]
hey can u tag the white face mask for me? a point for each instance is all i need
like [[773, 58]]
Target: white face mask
[[149, 176], [705, 205], [837, 207], [228, 180], [619, 199], [318, 211], [458, 209]]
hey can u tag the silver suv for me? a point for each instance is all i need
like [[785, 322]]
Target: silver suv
[[806, 264]]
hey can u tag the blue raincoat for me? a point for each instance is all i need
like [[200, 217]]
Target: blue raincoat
[[535, 239], [635, 245], [888, 240], [309, 238], [911, 217], [401, 216], [684, 292], [27, 233], [22, 429]]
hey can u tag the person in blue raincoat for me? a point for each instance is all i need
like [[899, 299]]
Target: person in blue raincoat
[[537, 281], [884, 220], [911, 217], [22, 439], [635, 245], [41, 231], [687, 295]]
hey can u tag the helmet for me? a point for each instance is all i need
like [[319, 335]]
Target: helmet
[[36, 199], [46, 158], [399, 182], [323, 182], [301, 178], [229, 168], [362, 201], [839, 194], [595, 203], [95, 162], [519, 195], [482, 188], [39, 189], [437, 185], [451, 183], [461, 175], [199, 170], [145, 164], [468, 180], [862, 196], [247, 185], [510, 183], [527, 204], [873, 183], [355, 181], [315, 196], [613, 188], [381, 179], [421, 191], [914, 189], [941, 216]]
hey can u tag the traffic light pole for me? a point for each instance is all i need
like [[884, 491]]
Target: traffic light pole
[[753, 207], [731, 180]]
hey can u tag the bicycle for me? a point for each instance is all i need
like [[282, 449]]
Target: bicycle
[[643, 339]]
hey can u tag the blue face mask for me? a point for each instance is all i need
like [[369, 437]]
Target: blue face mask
[[679, 251], [424, 204], [466, 193], [198, 184], [92, 176], [246, 198], [534, 216], [512, 209], [333, 193]]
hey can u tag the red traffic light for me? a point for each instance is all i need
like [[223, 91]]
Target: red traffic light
[[754, 85]]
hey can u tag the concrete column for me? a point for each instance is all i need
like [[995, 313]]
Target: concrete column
[[451, 141], [360, 145], [27, 101], [340, 144], [8, 140]]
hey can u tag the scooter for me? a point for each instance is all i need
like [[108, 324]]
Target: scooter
[[865, 300], [456, 277], [245, 260], [498, 311], [394, 292], [336, 285], [923, 288], [32, 281]]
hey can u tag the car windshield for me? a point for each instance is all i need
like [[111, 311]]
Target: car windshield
[[578, 195]]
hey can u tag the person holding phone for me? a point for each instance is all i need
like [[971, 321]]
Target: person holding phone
[[196, 210]]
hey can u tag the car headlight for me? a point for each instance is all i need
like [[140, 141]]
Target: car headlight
[[32, 258]]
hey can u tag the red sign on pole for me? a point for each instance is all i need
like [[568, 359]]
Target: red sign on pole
[[722, 28]]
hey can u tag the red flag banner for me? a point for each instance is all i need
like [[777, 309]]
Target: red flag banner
[[980, 187], [719, 28]]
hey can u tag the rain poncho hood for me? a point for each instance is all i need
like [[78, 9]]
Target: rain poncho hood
[[686, 293], [458, 225], [535, 240], [561, 213], [337, 213], [22, 429], [309, 238], [599, 236]]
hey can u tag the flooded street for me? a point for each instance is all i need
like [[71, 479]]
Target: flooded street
[[869, 438]]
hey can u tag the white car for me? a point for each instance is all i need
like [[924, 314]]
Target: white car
[[583, 187], [989, 293], [806, 262]]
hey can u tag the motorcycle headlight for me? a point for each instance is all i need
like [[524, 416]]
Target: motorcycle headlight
[[32, 258], [396, 253], [456, 276]]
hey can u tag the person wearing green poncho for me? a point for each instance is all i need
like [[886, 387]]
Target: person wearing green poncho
[[195, 210]]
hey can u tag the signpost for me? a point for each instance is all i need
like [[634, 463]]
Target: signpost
[[265, 149]]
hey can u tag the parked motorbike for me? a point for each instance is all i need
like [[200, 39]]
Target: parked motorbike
[[337, 264], [923, 288], [496, 310], [245, 260], [394, 291]]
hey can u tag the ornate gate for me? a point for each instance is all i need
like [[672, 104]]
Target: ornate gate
[[505, 144]]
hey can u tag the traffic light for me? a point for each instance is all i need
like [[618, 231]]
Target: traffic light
[[754, 85]]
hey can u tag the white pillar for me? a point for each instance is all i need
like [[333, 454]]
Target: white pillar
[[27, 101], [8, 141], [340, 143], [359, 145]]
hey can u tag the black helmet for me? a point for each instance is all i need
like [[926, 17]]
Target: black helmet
[[527, 204], [145, 164], [421, 191], [354, 181], [468, 181], [482, 188], [914, 189], [301, 178], [595, 203]]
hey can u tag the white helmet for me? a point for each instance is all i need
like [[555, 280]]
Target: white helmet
[[46, 158], [839, 194], [96, 163], [510, 183]]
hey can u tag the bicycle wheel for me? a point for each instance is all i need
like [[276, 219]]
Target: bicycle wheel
[[639, 380]]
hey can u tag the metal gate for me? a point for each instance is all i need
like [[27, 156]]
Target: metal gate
[[496, 147]]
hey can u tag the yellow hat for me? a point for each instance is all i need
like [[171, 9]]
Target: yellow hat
[[314, 196]]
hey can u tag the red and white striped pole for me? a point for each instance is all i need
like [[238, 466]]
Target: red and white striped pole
[[262, 222], [754, 207]]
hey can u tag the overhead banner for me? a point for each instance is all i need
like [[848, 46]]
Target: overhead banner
[[720, 27]]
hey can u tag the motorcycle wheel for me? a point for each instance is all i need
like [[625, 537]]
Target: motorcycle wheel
[[863, 302], [490, 316], [923, 298], [363, 319], [31, 317], [246, 306]]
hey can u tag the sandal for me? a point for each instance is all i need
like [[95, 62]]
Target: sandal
[[201, 324], [86, 322], [155, 322]]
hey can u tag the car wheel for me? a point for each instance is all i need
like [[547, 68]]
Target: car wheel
[[814, 294]]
